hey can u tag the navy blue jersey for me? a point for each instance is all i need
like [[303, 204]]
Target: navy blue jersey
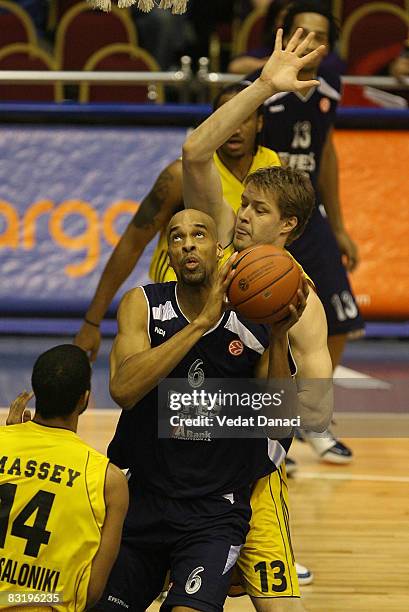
[[296, 126], [186, 467]]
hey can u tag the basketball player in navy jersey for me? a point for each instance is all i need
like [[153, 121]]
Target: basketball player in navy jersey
[[189, 499], [299, 127], [272, 212]]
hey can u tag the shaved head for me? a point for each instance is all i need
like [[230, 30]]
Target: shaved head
[[193, 248], [190, 216]]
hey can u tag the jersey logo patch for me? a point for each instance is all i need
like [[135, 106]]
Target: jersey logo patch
[[276, 109], [160, 331], [236, 348]]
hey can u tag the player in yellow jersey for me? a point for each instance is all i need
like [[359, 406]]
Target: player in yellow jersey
[[62, 504], [235, 159], [275, 208]]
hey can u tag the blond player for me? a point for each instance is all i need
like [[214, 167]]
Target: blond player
[[274, 210]]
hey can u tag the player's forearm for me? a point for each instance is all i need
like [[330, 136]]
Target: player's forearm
[[118, 268], [245, 64], [140, 373], [279, 371], [200, 146], [329, 187], [316, 402], [116, 496]]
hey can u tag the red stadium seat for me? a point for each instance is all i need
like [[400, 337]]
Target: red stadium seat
[[342, 9], [21, 56], [16, 25], [123, 58], [369, 30], [222, 39], [250, 34], [57, 10], [83, 31]]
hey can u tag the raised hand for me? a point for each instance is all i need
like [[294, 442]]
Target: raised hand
[[349, 250], [18, 412], [282, 68], [89, 339], [217, 301]]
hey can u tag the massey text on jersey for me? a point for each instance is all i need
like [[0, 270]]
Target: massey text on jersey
[[59, 474]]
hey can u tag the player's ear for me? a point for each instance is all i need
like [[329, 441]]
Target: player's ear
[[288, 225], [220, 251], [83, 401]]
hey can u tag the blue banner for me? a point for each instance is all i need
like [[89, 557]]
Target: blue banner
[[66, 195]]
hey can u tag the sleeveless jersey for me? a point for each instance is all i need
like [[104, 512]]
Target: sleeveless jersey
[[297, 126], [52, 510], [183, 468], [159, 270]]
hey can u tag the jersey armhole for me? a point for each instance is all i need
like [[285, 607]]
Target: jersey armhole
[[148, 323]]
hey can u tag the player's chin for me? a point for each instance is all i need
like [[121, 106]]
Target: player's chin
[[241, 242], [193, 277]]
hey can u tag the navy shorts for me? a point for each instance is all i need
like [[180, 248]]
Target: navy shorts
[[197, 540], [317, 251]]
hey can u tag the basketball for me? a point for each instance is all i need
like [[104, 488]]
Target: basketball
[[265, 284]]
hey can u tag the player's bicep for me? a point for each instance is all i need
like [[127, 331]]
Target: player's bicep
[[132, 337]]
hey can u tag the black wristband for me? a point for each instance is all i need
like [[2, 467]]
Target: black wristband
[[91, 323]]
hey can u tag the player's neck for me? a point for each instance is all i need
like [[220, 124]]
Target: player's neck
[[238, 166], [192, 299], [71, 423]]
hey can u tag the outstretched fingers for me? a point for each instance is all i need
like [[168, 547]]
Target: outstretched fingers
[[312, 55], [278, 45], [294, 40], [304, 44], [227, 272]]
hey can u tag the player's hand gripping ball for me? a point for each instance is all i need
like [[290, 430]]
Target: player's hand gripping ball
[[265, 284]]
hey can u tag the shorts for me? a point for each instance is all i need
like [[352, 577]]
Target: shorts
[[317, 252], [199, 540], [266, 561]]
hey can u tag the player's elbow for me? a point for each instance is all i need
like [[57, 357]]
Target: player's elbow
[[94, 595], [121, 395], [191, 152]]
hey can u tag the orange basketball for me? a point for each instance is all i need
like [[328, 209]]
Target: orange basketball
[[265, 284]]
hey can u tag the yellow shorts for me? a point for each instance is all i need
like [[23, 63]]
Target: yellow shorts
[[266, 560]]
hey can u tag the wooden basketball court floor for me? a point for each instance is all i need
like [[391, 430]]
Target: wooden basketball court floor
[[350, 524]]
